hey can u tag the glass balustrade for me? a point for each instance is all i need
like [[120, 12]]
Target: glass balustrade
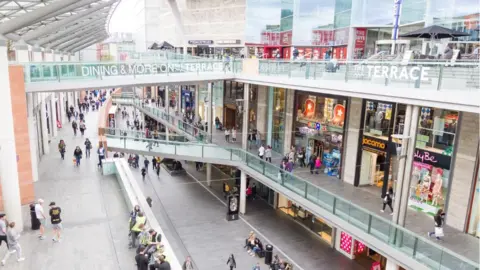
[[424, 75], [419, 248], [39, 72]]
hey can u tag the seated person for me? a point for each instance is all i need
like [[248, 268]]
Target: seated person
[[177, 166], [257, 247], [251, 236]]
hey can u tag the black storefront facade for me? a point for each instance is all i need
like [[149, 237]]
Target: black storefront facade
[[375, 157]]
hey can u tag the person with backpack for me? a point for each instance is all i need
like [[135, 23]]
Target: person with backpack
[[61, 148], [135, 229], [146, 162], [78, 155], [144, 172], [88, 147], [82, 127], [74, 127], [154, 163]]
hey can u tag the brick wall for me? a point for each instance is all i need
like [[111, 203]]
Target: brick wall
[[22, 140]]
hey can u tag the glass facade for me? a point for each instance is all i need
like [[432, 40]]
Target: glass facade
[[434, 147], [319, 128], [278, 119], [317, 27]]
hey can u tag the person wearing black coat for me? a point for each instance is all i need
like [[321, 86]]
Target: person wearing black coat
[[231, 262]]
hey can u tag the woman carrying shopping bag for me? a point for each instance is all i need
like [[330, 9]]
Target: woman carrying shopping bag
[[439, 219]]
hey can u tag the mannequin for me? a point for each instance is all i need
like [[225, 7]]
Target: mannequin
[[437, 189], [416, 175], [425, 189], [378, 120]]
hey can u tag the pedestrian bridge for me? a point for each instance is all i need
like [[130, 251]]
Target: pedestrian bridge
[[434, 84], [411, 250]]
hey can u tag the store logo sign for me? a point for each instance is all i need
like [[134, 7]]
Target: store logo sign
[[392, 72], [425, 157], [368, 141]]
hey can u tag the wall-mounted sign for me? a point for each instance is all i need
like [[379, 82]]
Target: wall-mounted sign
[[233, 206], [146, 69], [228, 41], [200, 42], [338, 117], [432, 158], [374, 143], [392, 72]]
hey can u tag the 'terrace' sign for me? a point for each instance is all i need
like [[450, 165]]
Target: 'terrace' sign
[[393, 72], [147, 69]]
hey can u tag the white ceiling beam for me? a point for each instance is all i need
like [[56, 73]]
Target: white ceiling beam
[[88, 41], [30, 17], [87, 24], [78, 38], [49, 28], [85, 46], [68, 9], [57, 44]]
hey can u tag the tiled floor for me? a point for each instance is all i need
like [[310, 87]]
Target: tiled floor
[[417, 222], [93, 211]]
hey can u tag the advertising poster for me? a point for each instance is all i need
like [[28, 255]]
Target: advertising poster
[[316, 54], [308, 53]]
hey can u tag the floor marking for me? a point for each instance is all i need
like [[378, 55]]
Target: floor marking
[[250, 225]]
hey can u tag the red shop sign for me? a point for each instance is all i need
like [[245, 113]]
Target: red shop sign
[[360, 37], [286, 38]]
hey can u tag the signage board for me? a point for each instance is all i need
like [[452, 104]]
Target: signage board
[[228, 41], [200, 42], [374, 143], [432, 158], [412, 73], [147, 68]]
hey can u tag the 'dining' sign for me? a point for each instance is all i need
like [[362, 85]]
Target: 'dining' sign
[[146, 69]]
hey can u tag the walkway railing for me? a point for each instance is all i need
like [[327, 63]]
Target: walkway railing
[[425, 75], [420, 248], [51, 71], [134, 196]]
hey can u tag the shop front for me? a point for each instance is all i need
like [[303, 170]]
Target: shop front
[[278, 118], [432, 160], [319, 128], [307, 219], [376, 162]]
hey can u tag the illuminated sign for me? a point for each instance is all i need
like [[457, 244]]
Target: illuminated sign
[[374, 143]]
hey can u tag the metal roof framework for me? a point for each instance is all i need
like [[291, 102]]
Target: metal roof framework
[[61, 25]]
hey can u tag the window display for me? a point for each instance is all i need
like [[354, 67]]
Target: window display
[[377, 119], [278, 112], [432, 159], [319, 128]]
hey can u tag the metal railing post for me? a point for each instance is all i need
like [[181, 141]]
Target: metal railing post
[[289, 69], [440, 77], [306, 189], [334, 205], [369, 223], [58, 72], [315, 71], [346, 71]]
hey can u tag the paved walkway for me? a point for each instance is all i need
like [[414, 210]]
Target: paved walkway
[[93, 211], [193, 217], [420, 223]]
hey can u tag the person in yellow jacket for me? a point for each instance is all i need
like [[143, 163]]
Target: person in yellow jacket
[[136, 229]]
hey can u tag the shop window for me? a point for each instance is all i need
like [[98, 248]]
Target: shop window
[[346, 242], [377, 119], [278, 111], [319, 129], [436, 130]]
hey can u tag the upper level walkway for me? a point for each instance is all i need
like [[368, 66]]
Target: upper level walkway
[[437, 84], [358, 200]]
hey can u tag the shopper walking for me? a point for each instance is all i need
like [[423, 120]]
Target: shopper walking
[[318, 164], [227, 135], [387, 200], [13, 245], [41, 218], [439, 219], [101, 155], [3, 230], [187, 265], [74, 127], [135, 230], [231, 262], [301, 157], [88, 147], [54, 213], [234, 134], [83, 127], [61, 148], [146, 162], [261, 151], [144, 172], [78, 155], [311, 163], [268, 154]]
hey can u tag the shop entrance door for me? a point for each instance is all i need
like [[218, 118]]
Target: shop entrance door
[[229, 117], [367, 169]]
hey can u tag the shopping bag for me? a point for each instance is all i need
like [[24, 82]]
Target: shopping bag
[[439, 232]]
